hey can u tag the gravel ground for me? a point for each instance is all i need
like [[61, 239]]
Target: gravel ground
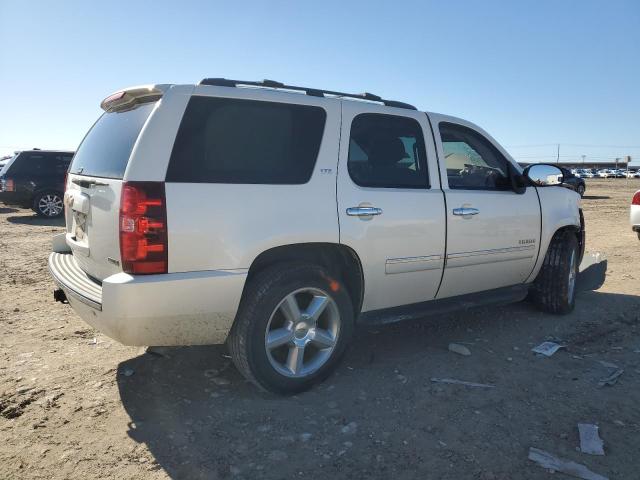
[[75, 404]]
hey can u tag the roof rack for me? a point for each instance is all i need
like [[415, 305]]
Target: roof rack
[[313, 92]]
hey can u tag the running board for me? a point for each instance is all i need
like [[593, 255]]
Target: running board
[[498, 296]]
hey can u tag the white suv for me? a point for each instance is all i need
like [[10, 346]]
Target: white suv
[[275, 218]]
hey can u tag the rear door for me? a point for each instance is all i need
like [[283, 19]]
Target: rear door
[[493, 233], [94, 184], [390, 205]]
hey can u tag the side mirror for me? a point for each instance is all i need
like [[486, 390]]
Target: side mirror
[[543, 175]]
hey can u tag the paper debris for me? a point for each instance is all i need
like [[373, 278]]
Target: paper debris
[[547, 348], [590, 441], [611, 379], [459, 349], [548, 461], [460, 382]]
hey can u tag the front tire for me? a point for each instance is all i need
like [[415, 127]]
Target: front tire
[[48, 204], [554, 289], [292, 327]]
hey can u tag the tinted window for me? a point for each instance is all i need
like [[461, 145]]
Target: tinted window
[[241, 141], [386, 151], [106, 149], [32, 164], [472, 161]]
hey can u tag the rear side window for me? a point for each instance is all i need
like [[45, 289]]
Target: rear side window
[[106, 149], [387, 151], [225, 140], [33, 164]]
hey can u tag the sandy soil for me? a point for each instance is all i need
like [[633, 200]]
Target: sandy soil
[[75, 404]]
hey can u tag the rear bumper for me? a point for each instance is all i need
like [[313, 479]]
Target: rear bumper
[[193, 308]]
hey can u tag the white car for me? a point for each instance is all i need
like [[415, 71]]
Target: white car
[[634, 214], [275, 218]]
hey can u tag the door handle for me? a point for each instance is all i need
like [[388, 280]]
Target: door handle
[[363, 211], [464, 211]]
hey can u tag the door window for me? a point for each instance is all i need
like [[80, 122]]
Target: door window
[[472, 161], [387, 151]]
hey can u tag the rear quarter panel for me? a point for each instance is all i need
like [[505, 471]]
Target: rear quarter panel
[[216, 226]]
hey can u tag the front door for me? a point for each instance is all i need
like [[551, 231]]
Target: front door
[[493, 233], [390, 206]]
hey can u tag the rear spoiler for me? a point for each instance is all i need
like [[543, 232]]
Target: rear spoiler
[[129, 98]]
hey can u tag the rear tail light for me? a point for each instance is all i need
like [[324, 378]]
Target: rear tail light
[[636, 198], [143, 228], [8, 185]]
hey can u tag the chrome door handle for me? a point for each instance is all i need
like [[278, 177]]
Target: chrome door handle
[[363, 211], [464, 211]]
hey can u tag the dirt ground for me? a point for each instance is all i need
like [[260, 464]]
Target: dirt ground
[[75, 404]]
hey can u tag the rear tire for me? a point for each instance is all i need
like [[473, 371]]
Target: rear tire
[[293, 325], [554, 288], [48, 204]]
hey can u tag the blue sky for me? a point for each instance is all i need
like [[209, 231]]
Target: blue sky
[[532, 73]]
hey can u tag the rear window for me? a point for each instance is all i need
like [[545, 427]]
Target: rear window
[[40, 164], [243, 141], [106, 149]]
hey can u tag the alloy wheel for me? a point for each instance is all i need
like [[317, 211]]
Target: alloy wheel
[[302, 332], [50, 205], [572, 276]]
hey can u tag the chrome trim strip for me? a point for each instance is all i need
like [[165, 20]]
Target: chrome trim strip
[[479, 257], [413, 264]]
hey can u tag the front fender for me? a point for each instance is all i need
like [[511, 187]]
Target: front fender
[[559, 208]]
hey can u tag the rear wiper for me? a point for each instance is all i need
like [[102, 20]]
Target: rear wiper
[[88, 183]]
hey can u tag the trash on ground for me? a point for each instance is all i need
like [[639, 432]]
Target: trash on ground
[[547, 348], [608, 364], [611, 379], [159, 351], [590, 441], [556, 464], [459, 349], [461, 382], [128, 372]]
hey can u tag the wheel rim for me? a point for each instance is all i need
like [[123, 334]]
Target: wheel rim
[[50, 205], [572, 275], [302, 332]]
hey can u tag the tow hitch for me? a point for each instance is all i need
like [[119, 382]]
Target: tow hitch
[[59, 296]]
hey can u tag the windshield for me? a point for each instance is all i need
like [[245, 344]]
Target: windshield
[[106, 149]]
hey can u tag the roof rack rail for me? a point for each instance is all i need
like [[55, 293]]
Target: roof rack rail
[[313, 92]]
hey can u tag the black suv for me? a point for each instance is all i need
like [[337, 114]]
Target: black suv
[[569, 180], [35, 179]]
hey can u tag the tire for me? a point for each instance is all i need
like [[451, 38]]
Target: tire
[[48, 204], [580, 190], [266, 312], [554, 288]]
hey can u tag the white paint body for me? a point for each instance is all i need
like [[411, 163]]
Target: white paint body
[[416, 251]]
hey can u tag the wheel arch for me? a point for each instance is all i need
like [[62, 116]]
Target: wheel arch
[[339, 260], [578, 230]]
